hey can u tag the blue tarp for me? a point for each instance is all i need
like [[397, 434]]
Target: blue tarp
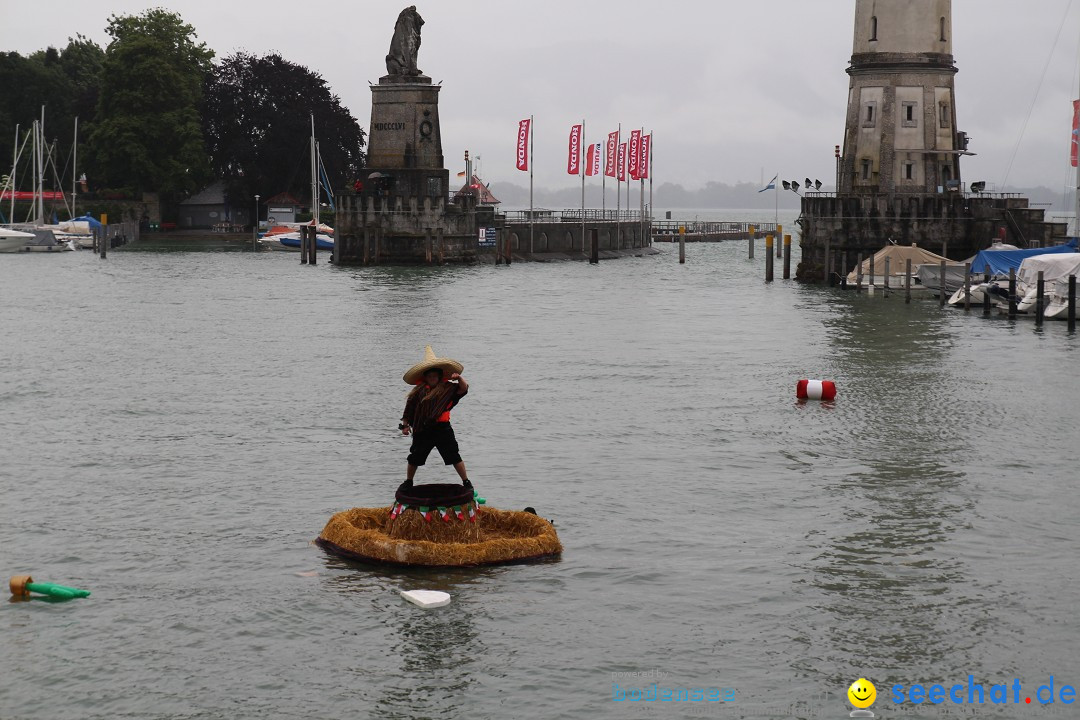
[[999, 262], [94, 224]]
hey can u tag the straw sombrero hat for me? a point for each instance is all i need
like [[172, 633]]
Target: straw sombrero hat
[[415, 374]]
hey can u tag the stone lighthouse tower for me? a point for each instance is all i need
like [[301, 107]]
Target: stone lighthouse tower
[[898, 177], [900, 134]]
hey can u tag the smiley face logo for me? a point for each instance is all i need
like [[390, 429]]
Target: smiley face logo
[[862, 693]]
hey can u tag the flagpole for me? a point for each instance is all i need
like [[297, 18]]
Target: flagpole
[[650, 185], [581, 155], [618, 191], [641, 195], [532, 131]]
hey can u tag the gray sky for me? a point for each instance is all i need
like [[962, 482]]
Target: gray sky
[[731, 90]]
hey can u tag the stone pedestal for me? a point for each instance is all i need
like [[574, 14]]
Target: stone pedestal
[[404, 139]]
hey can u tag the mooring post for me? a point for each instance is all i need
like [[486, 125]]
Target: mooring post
[[858, 275], [886, 290], [367, 245], [871, 274], [1072, 303], [439, 240], [1039, 288], [779, 236], [427, 245], [768, 258], [843, 269], [907, 281], [103, 244], [941, 285], [303, 245], [967, 287], [986, 295], [826, 269], [750, 242], [682, 244], [594, 246], [509, 249], [313, 244], [787, 257], [1012, 292]]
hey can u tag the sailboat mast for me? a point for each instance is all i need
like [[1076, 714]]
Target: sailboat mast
[[14, 167], [41, 170], [314, 176], [74, 164]]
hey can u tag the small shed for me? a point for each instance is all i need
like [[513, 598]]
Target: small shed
[[211, 208], [282, 208]]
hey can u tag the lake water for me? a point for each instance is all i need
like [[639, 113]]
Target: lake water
[[178, 427]]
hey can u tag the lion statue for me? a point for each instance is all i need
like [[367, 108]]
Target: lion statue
[[406, 43]]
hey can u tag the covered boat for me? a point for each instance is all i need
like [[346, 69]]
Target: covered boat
[[897, 256]]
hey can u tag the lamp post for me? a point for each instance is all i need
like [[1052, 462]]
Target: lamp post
[[255, 225], [837, 152]]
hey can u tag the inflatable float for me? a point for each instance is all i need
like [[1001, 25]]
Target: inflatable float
[[439, 525]]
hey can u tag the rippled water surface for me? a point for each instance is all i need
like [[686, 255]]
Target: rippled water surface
[[177, 427]]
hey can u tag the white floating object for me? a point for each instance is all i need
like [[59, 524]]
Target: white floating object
[[426, 598]]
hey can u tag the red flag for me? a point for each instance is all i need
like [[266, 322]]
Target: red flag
[[621, 162], [524, 127], [592, 160], [612, 151], [633, 160], [646, 148], [1075, 130], [574, 160]]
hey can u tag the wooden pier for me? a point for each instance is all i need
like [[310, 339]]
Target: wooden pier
[[708, 231]]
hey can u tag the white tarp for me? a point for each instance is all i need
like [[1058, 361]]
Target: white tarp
[[1054, 267]]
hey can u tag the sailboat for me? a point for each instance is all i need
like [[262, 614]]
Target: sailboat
[[323, 238], [35, 235]]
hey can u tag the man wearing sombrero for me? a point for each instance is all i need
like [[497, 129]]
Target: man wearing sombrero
[[438, 388]]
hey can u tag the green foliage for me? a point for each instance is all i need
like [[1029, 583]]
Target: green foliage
[[257, 119], [149, 135]]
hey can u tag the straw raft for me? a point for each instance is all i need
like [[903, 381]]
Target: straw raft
[[497, 536]]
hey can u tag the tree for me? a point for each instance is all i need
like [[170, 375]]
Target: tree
[[257, 120], [149, 134]]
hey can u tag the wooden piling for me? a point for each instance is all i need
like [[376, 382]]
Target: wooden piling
[[779, 235], [509, 249], [843, 269], [941, 286], [827, 268], [871, 274], [768, 258], [1040, 287], [427, 245], [887, 277], [907, 281], [594, 246], [750, 242], [858, 275], [1012, 292], [1072, 303], [682, 244], [439, 242], [313, 244], [367, 245], [967, 287], [103, 242], [986, 295], [787, 257], [303, 245]]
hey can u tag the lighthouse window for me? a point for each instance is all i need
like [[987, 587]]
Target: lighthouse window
[[909, 116], [942, 29], [943, 111], [909, 171], [870, 114], [873, 28], [865, 169]]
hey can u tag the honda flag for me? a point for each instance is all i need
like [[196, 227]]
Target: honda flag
[[1075, 131], [620, 163], [633, 159], [573, 163], [612, 150], [524, 128], [646, 149], [592, 161]]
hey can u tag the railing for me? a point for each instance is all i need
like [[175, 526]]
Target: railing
[[707, 227], [543, 215], [963, 190]]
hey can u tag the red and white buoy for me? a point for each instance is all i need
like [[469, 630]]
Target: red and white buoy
[[815, 390]]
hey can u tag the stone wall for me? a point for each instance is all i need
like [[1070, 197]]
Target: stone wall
[[411, 230], [566, 238], [950, 224]]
